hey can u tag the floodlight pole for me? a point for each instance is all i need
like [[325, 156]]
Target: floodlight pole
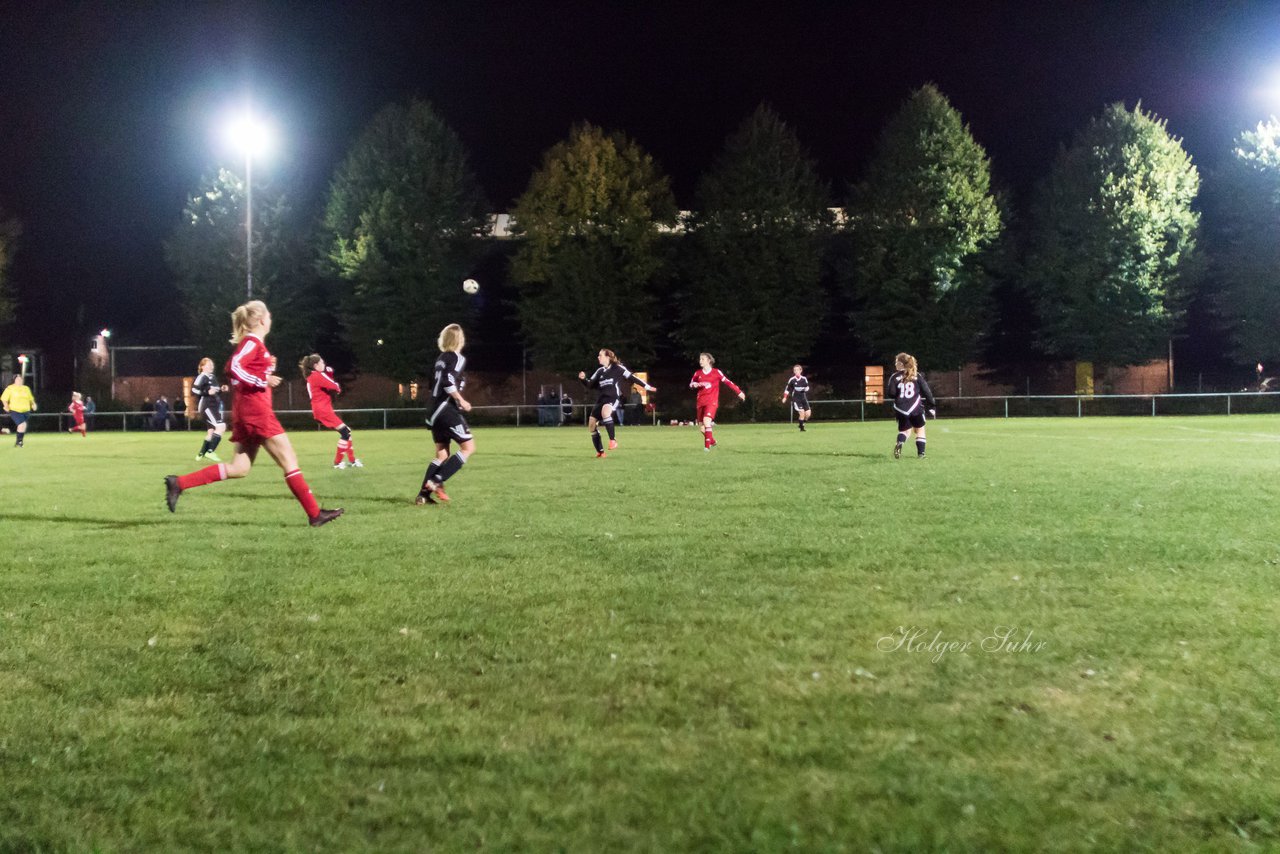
[[248, 223]]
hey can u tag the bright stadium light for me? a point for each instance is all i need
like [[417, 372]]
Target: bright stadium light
[[253, 137], [250, 135], [106, 333]]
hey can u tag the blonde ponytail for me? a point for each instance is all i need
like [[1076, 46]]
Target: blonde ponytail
[[246, 317]]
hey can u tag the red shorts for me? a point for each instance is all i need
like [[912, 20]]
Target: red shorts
[[707, 410], [328, 419], [251, 429], [79, 419]]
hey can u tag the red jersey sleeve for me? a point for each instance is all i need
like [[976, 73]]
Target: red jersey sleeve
[[728, 382], [318, 382]]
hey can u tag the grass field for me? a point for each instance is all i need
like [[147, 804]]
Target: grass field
[[663, 650]]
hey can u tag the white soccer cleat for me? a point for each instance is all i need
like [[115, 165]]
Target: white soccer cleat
[[357, 464], [341, 465]]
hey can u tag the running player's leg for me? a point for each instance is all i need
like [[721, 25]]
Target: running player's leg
[[217, 426], [453, 464], [920, 440], [429, 480], [345, 432], [204, 444], [239, 466], [606, 412], [706, 422], [340, 452], [281, 450], [904, 427], [593, 426], [453, 429]]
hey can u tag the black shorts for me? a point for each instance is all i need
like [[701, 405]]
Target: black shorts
[[800, 402], [447, 425], [597, 411], [915, 419], [211, 412]]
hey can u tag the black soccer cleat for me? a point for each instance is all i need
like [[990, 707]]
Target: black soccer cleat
[[897, 451], [424, 497], [171, 492], [325, 516]]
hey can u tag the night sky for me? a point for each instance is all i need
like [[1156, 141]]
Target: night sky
[[108, 113]]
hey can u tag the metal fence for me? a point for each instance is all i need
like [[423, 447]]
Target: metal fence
[[1011, 406], [1064, 405]]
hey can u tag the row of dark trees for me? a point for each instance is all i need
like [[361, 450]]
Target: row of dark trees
[[922, 255], [10, 230]]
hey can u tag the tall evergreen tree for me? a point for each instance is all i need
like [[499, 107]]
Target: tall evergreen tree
[[919, 221], [590, 258], [1246, 254], [405, 213], [1114, 231], [754, 284], [206, 254]]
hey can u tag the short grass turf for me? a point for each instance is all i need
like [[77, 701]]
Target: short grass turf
[[1049, 635]]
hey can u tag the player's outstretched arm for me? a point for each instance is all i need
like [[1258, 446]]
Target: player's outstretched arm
[[742, 395]]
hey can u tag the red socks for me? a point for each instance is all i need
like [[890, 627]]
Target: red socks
[[351, 452], [302, 492], [208, 474], [345, 448], [707, 439], [297, 485]]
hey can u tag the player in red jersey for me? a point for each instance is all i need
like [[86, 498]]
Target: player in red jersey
[[253, 423], [322, 388], [707, 381], [77, 412]]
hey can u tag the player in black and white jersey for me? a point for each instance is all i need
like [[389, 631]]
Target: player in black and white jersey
[[614, 382], [911, 398], [446, 421], [798, 390], [207, 393]]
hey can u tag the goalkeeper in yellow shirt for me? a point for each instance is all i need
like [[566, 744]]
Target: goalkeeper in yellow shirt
[[18, 402]]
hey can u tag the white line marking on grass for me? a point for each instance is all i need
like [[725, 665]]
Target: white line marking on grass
[[1273, 437], [1133, 438]]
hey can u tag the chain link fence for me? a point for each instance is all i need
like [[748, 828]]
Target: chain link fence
[[1012, 406]]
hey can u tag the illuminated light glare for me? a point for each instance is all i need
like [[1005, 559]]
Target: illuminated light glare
[[250, 135], [106, 333], [1269, 91]]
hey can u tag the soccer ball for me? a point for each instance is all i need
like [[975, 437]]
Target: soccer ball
[[471, 286]]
